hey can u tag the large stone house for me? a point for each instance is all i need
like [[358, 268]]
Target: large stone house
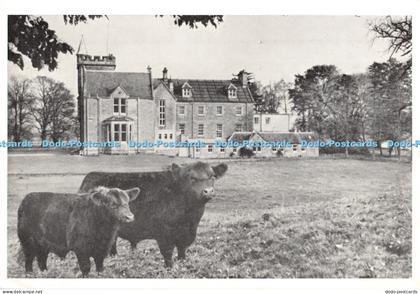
[[124, 107]]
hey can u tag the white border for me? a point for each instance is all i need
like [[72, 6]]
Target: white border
[[235, 7]]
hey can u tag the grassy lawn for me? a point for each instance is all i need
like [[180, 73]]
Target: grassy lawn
[[276, 218]]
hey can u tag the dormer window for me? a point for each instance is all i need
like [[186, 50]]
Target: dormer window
[[186, 90], [232, 92], [119, 96], [120, 106]]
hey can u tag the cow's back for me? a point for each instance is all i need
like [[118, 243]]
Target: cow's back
[[150, 183], [43, 217], [154, 206]]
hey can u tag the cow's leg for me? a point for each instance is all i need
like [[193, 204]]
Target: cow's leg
[[166, 249], [28, 251], [99, 262], [133, 245], [29, 259], [42, 257], [113, 251], [181, 251], [84, 264]]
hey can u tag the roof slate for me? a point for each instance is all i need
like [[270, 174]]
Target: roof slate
[[240, 136], [209, 91], [293, 138], [103, 83]]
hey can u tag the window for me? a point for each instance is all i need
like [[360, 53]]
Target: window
[[120, 106], [256, 120], [267, 120], [219, 110], [162, 106], [165, 136], [210, 148], [170, 136], [197, 149], [123, 105], [121, 132], [274, 149], [160, 136], [256, 149], [116, 132], [219, 130], [124, 132], [232, 92], [238, 128], [186, 92], [201, 110], [181, 128], [116, 105], [222, 150], [294, 147], [238, 110], [234, 150], [181, 109], [201, 129]]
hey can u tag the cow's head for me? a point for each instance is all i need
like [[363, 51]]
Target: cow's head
[[196, 181], [115, 201]]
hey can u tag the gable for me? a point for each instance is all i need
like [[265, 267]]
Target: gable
[[162, 91], [104, 83], [119, 92]]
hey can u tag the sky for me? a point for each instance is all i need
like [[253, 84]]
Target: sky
[[271, 47]]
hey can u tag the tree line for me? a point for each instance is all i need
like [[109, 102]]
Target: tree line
[[40, 107], [374, 105]]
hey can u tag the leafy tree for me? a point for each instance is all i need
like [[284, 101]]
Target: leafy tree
[[345, 109], [20, 100], [275, 97], [192, 20], [32, 37], [389, 101], [310, 95]]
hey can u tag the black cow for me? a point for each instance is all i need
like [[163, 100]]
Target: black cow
[[170, 205], [84, 223]]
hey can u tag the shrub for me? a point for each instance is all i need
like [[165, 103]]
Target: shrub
[[245, 152]]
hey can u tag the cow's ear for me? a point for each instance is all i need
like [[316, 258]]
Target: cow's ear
[[99, 198], [175, 169], [133, 193], [220, 170]]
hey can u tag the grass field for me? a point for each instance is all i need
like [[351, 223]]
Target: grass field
[[271, 219]]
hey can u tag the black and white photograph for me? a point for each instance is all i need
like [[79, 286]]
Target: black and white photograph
[[209, 146]]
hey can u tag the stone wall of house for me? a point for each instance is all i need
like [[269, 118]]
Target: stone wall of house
[[146, 121], [166, 132], [228, 119]]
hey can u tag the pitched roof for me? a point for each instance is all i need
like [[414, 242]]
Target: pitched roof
[[240, 136], [293, 138], [118, 118], [210, 91], [103, 83]]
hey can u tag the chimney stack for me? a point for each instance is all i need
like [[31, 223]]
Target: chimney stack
[[165, 74], [171, 85], [243, 78]]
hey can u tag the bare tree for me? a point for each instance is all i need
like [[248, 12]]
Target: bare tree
[[53, 109], [20, 100], [397, 30]]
